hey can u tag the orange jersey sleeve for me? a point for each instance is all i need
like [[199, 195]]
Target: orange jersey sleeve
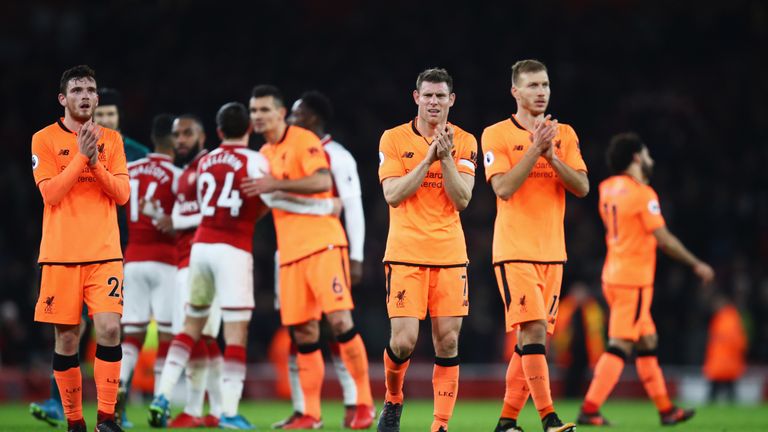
[[529, 224], [79, 222], [630, 212], [54, 185], [495, 155], [571, 148], [300, 154], [425, 229], [466, 154], [390, 163]]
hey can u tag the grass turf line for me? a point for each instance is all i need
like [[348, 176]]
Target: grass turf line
[[470, 416]]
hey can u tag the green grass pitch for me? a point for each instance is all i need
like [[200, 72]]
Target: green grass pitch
[[635, 416]]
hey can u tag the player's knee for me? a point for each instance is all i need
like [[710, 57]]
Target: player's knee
[[340, 322], [307, 333], [447, 346], [67, 342], [647, 343], [533, 332], [625, 346], [108, 333], [403, 344]]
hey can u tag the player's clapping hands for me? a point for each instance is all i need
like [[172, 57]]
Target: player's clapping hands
[[87, 141], [444, 142], [543, 134], [256, 186]]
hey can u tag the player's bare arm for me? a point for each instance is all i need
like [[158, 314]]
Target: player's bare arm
[[457, 185], [674, 248], [576, 182], [398, 189], [320, 181], [505, 185]]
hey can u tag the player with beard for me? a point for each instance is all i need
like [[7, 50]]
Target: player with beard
[[81, 172], [314, 262], [530, 162], [221, 262], [203, 371], [150, 257], [634, 227]]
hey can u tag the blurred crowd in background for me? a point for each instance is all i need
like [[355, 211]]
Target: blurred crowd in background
[[689, 80]]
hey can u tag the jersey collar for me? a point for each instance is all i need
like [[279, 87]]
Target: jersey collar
[[517, 123], [326, 139], [60, 122], [154, 155], [285, 134]]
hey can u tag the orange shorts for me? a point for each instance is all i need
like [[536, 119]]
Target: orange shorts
[[64, 288], [315, 285], [630, 311], [530, 292], [411, 290]]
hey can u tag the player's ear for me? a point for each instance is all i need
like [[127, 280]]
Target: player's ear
[[250, 129], [451, 99], [220, 134], [283, 111], [62, 100], [416, 97]]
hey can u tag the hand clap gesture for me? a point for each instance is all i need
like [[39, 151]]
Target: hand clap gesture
[[87, 141], [543, 134]]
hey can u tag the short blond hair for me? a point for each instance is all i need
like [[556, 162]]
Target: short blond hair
[[526, 66]]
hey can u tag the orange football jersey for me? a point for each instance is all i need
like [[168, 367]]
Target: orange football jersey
[[82, 227], [300, 154], [425, 228], [630, 212], [529, 225]]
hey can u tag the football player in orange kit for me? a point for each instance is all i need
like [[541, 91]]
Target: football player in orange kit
[[81, 172], [427, 171], [531, 161], [634, 227]]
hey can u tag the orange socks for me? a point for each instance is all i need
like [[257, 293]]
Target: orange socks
[[355, 358], [106, 373], [537, 373], [311, 374], [445, 384], [607, 373], [394, 375], [516, 392], [653, 380], [66, 371]]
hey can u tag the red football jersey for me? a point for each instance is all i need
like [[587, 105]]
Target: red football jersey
[[187, 206], [152, 179], [228, 216]]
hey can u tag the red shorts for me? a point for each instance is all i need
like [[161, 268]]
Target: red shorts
[[412, 290], [530, 292], [630, 311], [64, 288]]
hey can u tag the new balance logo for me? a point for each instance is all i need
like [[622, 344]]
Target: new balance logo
[[517, 148], [407, 155], [101, 148], [64, 152]]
